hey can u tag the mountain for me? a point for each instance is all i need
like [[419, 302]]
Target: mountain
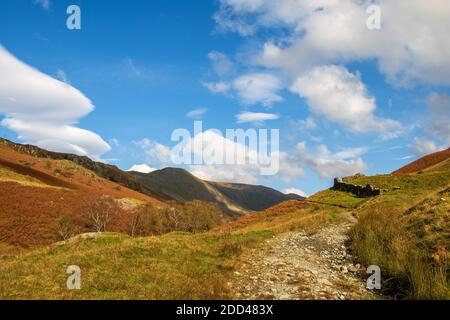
[[170, 184], [233, 198], [424, 162], [253, 197], [106, 171]]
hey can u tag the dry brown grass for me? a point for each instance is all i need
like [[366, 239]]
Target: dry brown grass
[[382, 238]]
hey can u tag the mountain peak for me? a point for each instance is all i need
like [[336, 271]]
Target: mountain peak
[[142, 168]]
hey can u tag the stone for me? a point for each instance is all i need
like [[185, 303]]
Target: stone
[[352, 268]]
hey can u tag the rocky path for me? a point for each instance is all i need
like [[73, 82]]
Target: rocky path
[[300, 266]]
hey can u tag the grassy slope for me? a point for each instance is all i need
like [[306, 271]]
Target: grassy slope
[[172, 266], [35, 193], [404, 231], [400, 231]]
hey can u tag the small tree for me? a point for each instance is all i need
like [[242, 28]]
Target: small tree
[[135, 223], [154, 220], [145, 221], [100, 213], [64, 227]]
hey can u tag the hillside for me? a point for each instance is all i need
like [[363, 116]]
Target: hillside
[[106, 171], [232, 198], [171, 266], [424, 162], [251, 197], [36, 192], [405, 230]]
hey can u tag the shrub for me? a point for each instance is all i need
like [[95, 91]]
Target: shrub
[[193, 216], [65, 227], [145, 221]]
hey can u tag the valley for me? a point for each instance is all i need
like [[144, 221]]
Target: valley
[[183, 239]]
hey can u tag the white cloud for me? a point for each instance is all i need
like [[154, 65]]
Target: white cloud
[[221, 64], [247, 172], [341, 97], [43, 110], [295, 191], [330, 165], [306, 124], [43, 3], [413, 45], [439, 116], [258, 88], [142, 168], [155, 152], [423, 146], [437, 126], [197, 113], [255, 117], [222, 173], [213, 151], [253, 88], [218, 87]]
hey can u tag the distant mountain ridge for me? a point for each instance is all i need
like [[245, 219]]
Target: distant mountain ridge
[[233, 198], [171, 184]]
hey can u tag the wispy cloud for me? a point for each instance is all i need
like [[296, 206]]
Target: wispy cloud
[[259, 88], [197, 113], [61, 75], [295, 191], [257, 117], [133, 70], [43, 3], [221, 64], [218, 87]]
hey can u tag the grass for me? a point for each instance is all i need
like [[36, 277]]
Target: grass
[[408, 269], [337, 198], [114, 266], [407, 233], [7, 175], [172, 266]]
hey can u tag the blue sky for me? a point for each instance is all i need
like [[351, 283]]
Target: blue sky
[[346, 99]]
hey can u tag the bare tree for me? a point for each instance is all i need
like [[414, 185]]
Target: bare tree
[[135, 223], [100, 213], [64, 227], [173, 217]]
